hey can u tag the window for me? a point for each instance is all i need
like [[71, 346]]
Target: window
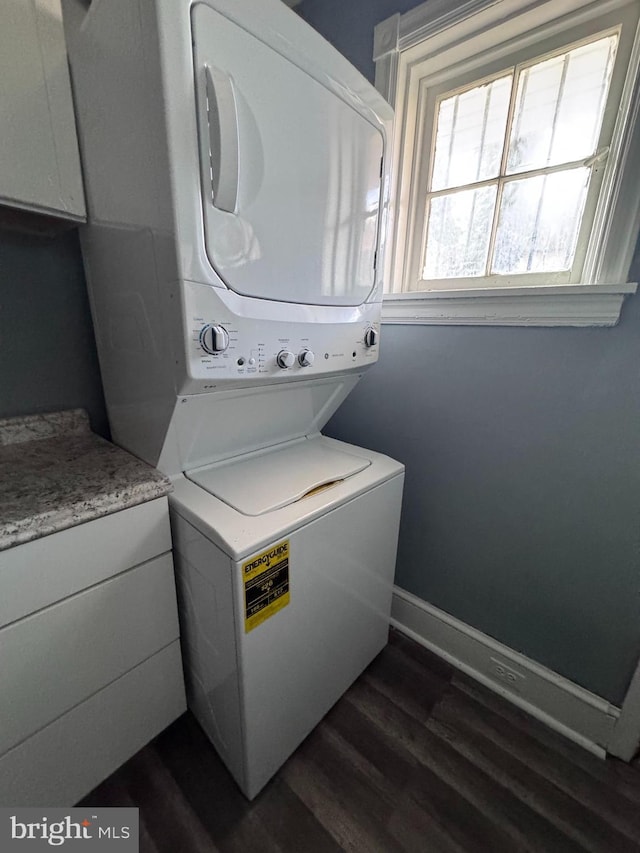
[[515, 143], [511, 164]]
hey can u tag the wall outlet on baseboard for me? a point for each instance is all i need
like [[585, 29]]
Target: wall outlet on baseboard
[[502, 671]]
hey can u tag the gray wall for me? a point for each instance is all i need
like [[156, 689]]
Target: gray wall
[[521, 513], [348, 25], [47, 349]]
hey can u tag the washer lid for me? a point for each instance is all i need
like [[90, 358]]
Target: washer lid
[[272, 479]]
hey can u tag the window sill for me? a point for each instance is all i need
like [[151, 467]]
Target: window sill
[[566, 305]]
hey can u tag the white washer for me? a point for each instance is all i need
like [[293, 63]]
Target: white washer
[[285, 564]]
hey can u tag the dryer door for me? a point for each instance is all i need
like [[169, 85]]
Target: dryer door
[[290, 173]]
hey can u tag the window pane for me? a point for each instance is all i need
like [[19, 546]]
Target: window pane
[[471, 127], [458, 233], [539, 223], [559, 107]]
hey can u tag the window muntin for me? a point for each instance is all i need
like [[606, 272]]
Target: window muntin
[[510, 166]]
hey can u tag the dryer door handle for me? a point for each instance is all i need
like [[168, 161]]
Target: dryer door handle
[[222, 117]]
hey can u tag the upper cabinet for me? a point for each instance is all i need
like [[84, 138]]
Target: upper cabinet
[[39, 159]]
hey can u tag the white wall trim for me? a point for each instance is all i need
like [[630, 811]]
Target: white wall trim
[[577, 713], [625, 740], [564, 305]]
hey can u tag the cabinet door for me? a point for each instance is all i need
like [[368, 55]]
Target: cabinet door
[[39, 160]]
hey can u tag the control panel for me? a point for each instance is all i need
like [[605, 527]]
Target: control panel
[[224, 349]]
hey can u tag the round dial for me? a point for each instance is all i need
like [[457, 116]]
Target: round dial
[[214, 339], [370, 337], [306, 358], [285, 359]]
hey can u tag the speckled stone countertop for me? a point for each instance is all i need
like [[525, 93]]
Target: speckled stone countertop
[[56, 473]]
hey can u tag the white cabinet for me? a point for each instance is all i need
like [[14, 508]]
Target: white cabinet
[[90, 662], [39, 159]]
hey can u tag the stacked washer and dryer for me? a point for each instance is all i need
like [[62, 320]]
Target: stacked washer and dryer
[[237, 191]]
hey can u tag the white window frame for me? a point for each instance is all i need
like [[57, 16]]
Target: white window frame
[[438, 31]]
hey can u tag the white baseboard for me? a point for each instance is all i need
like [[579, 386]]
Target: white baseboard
[[578, 714]]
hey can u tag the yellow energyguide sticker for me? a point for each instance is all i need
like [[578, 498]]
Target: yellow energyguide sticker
[[266, 584]]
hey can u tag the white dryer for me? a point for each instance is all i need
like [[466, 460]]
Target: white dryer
[[285, 563], [237, 190]]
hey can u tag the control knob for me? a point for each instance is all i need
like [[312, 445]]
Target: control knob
[[306, 358], [214, 339], [370, 337], [285, 359]]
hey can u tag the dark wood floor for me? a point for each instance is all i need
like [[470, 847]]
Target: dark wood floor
[[415, 757]]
